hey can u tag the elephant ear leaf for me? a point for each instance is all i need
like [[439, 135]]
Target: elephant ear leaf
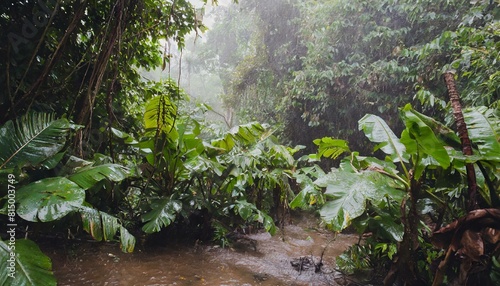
[[377, 130], [32, 267], [32, 139], [49, 199], [484, 130], [89, 176]]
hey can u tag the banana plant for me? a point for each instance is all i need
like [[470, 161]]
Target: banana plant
[[387, 197]]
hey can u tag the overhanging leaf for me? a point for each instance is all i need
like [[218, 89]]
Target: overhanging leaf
[[49, 199], [127, 241], [160, 114], [32, 267]]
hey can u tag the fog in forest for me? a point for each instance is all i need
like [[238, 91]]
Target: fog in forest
[[250, 142]]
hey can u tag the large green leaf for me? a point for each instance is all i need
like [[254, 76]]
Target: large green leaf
[[89, 176], [32, 139], [163, 213], [484, 130], [347, 194], [377, 130], [30, 266], [103, 226], [428, 143], [49, 199]]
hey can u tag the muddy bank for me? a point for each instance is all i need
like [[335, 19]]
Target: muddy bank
[[268, 263]]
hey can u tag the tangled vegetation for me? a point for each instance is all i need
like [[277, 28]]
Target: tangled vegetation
[[91, 148]]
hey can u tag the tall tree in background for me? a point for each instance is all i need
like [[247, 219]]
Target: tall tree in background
[[70, 57], [314, 68]]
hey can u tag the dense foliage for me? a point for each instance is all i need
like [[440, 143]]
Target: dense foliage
[[93, 149], [330, 62]]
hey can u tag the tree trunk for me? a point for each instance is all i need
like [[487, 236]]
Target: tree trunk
[[464, 137]]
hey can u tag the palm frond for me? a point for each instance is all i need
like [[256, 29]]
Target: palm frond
[[32, 139]]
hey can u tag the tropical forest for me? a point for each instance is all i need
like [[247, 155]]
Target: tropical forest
[[250, 142]]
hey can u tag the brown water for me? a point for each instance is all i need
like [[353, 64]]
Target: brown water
[[104, 264]]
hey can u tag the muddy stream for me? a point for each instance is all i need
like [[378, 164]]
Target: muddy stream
[[269, 263]]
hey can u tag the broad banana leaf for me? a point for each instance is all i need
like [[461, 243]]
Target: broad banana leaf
[[49, 199], [377, 130], [103, 226], [484, 130], [32, 139], [89, 176], [428, 143], [164, 211], [32, 267]]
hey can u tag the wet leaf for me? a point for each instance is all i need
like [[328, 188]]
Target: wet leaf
[[103, 226], [32, 139], [32, 267], [49, 199]]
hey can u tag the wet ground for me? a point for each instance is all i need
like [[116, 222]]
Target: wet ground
[[94, 263]]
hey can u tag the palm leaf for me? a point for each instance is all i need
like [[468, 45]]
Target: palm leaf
[[32, 139], [32, 267]]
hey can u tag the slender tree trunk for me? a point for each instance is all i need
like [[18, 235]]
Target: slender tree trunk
[[464, 137]]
